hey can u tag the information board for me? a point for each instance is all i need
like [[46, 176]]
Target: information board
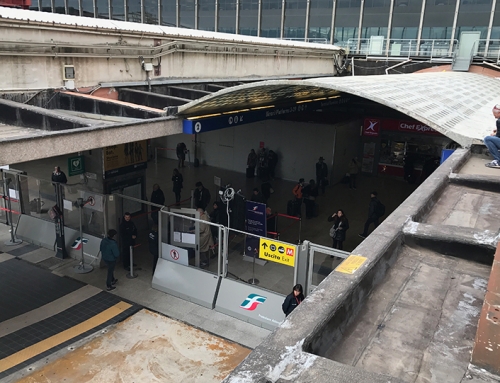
[[276, 251]]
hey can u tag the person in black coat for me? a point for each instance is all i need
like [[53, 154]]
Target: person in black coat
[[339, 228], [201, 196], [272, 161], [310, 192], [177, 181], [218, 216], [157, 197], [293, 299], [257, 196], [59, 176], [153, 245], [373, 217], [321, 174], [128, 234]]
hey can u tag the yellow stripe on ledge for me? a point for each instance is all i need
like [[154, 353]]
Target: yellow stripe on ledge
[[53, 341]]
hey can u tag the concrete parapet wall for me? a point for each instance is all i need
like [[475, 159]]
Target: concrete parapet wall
[[87, 138], [317, 324], [32, 56]]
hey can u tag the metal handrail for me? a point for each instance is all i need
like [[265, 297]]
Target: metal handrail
[[432, 48]]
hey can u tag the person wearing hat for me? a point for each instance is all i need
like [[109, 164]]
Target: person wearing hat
[[492, 141], [110, 254], [321, 174]]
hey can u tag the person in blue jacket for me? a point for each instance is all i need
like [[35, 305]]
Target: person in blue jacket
[[293, 299], [110, 254]]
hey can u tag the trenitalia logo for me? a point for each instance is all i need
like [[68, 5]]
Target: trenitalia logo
[[252, 301], [77, 244]]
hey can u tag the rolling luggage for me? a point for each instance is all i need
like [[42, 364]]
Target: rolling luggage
[[250, 172], [293, 208]]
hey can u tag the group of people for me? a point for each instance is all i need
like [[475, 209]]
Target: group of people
[[264, 161]]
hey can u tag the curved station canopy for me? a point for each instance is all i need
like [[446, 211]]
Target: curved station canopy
[[456, 104]]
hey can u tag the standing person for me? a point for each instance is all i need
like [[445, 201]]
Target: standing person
[[158, 198], [59, 176], [339, 228], [153, 245], [321, 174], [201, 196], [272, 161], [128, 234], [206, 240], [251, 163], [353, 172], [374, 213], [310, 192], [181, 151], [257, 196], [262, 170], [218, 216], [177, 181], [492, 141], [110, 254], [297, 192], [266, 189], [293, 299]]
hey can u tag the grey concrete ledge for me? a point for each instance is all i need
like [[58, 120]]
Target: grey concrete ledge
[[463, 242], [476, 181], [319, 322]]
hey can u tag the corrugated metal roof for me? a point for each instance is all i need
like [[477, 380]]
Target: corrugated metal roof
[[457, 104]]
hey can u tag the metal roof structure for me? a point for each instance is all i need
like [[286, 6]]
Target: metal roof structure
[[456, 104]]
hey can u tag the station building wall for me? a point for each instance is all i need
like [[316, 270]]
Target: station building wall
[[298, 144]]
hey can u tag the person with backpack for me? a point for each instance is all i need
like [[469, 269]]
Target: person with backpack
[[375, 211]]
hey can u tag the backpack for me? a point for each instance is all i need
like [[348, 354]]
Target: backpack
[[380, 209]]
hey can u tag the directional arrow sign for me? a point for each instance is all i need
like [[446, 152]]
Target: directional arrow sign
[[279, 252]]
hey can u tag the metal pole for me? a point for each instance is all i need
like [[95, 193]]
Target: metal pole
[[82, 268], [131, 274], [13, 240], [300, 228], [253, 280], [156, 155]]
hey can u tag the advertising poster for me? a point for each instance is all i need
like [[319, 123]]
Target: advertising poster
[[255, 222], [125, 158]]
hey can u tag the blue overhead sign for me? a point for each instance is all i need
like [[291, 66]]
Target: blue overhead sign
[[201, 125]]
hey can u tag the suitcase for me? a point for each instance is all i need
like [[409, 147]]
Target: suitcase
[[293, 208]]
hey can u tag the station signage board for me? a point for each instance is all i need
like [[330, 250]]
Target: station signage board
[[227, 120], [276, 251]]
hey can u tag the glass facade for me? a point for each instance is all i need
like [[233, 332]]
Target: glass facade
[[249, 17], [187, 13], [320, 20], [102, 9], [364, 26], [295, 19], [271, 18], [168, 13], [227, 16], [346, 25]]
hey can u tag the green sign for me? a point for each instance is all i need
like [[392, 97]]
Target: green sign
[[76, 165]]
